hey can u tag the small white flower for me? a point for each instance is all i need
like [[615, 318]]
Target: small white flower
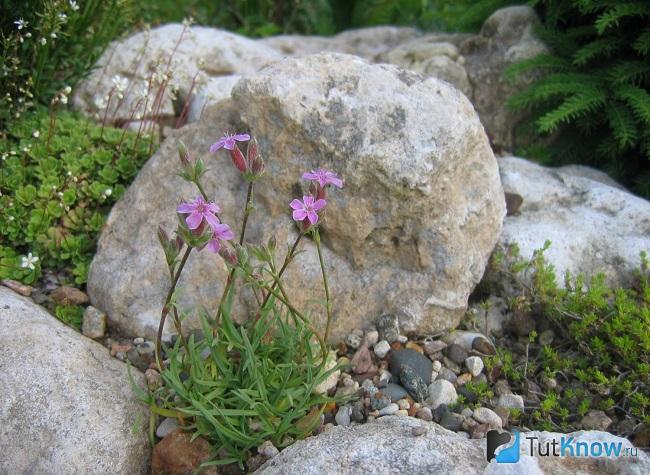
[[27, 35], [20, 24], [63, 99], [73, 5], [67, 90], [69, 173], [188, 21], [52, 35], [36, 134], [100, 103], [11, 218], [120, 83], [108, 192], [63, 17], [29, 261], [43, 41]]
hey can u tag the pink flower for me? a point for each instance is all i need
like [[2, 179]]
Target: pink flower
[[306, 209], [324, 177], [198, 211], [228, 142], [220, 232]]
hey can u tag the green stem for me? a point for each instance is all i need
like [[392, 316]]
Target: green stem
[[231, 275], [328, 300], [165, 310]]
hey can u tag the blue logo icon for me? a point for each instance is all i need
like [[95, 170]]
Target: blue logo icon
[[507, 453]]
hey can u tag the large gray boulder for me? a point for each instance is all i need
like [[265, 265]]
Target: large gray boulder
[[67, 405], [410, 233], [388, 446], [506, 37], [593, 224], [172, 55]]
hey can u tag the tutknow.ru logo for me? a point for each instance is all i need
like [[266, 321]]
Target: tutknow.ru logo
[[505, 448]]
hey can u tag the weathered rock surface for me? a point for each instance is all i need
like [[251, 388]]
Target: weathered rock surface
[[66, 406], [472, 63], [389, 446], [506, 37], [175, 54], [384, 446], [410, 233], [593, 227]]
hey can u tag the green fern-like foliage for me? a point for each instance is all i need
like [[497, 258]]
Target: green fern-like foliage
[[592, 95]]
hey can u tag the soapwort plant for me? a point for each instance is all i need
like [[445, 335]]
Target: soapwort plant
[[240, 385]]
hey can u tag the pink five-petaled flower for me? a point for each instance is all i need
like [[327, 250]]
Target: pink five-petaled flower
[[220, 232], [199, 210], [307, 208], [228, 142], [324, 177]]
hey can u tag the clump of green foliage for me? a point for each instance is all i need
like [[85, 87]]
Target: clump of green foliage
[[321, 17], [591, 100], [49, 45], [241, 385], [59, 176], [71, 315], [601, 355]]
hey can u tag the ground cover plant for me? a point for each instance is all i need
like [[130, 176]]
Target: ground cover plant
[[47, 46], [599, 359], [59, 177], [240, 385]]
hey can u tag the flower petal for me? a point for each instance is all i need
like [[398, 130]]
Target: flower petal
[[308, 200], [229, 143], [313, 217], [194, 220], [310, 175], [299, 214], [211, 219], [213, 208], [337, 182], [241, 137], [214, 246], [186, 208], [217, 145], [297, 204], [319, 204]]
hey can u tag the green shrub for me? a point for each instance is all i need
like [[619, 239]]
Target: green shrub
[[58, 180], [49, 45], [601, 354], [592, 98], [321, 17]]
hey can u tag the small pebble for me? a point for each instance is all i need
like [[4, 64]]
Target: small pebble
[[93, 324], [138, 341], [511, 401], [22, 289], [167, 426], [463, 379], [437, 366], [401, 413], [488, 416], [353, 340], [389, 410], [385, 377], [482, 345], [424, 413], [268, 449], [546, 337], [475, 365], [404, 404], [381, 349], [431, 347], [342, 417], [417, 431], [372, 337], [388, 326], [442, 391], [402, 339], [456, 353], [447, 375], [69, 296]]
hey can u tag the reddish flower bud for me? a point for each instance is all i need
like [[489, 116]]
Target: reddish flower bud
[[252, 150], [257, 165], [184, 155], [238, 159], [228, 255], [317, 191]]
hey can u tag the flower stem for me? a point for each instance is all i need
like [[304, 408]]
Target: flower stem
[[165, 310], [328, 301], [247, 211]]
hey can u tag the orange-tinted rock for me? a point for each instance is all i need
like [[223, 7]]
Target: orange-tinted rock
[[176, 455]]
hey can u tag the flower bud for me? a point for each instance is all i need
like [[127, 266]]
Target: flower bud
[[238, 159], [257, 166], [184, 155], [317, 191], [272, 243], [252, 150], [228, 255]]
